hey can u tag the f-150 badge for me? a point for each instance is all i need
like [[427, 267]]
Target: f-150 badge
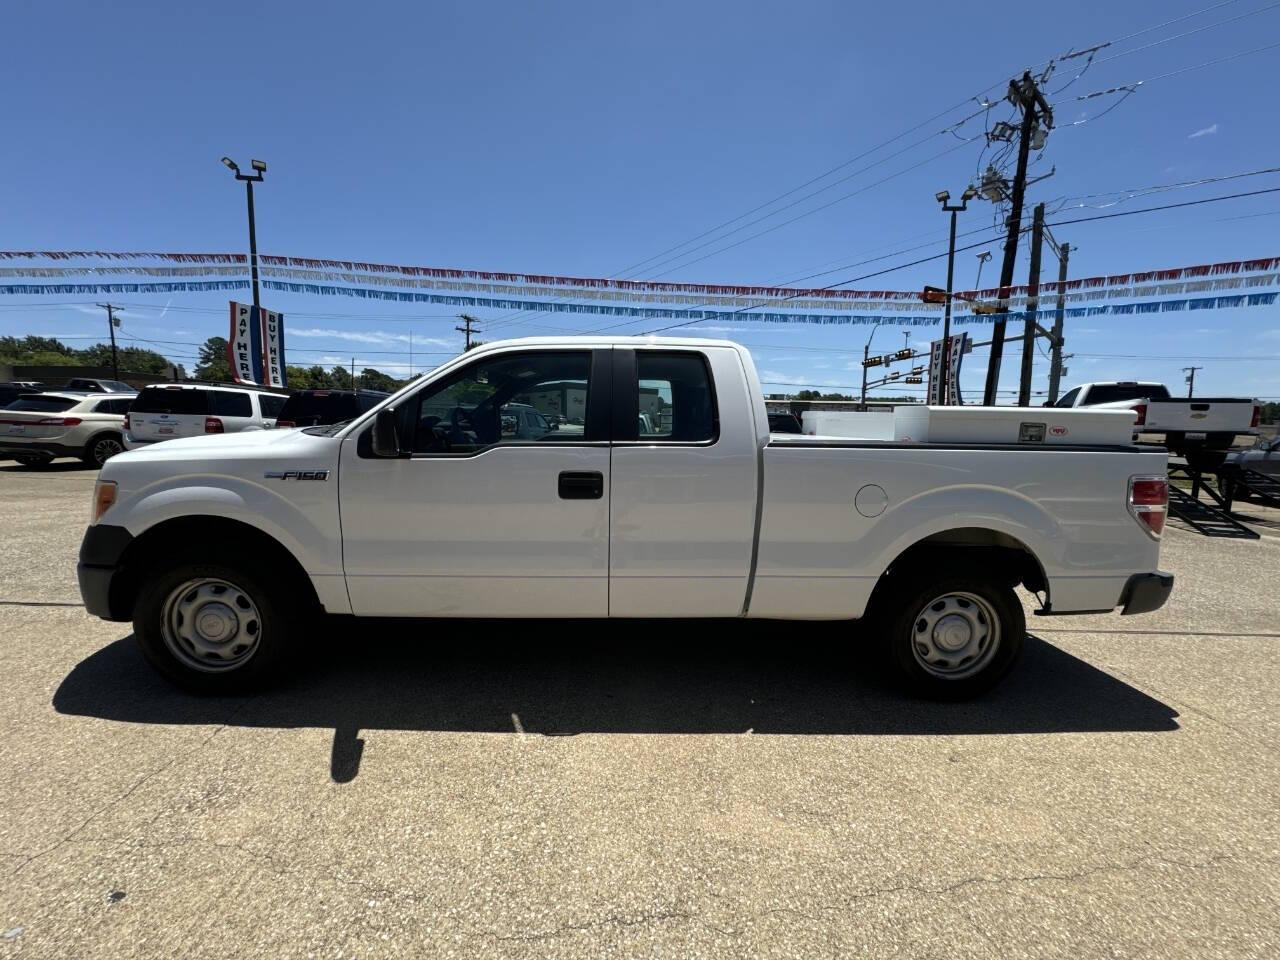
[[297, 474]]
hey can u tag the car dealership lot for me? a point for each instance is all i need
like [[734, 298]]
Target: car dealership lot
[[588, 789]]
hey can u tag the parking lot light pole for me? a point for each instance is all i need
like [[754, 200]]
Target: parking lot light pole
[[259, 168], [943, 197]]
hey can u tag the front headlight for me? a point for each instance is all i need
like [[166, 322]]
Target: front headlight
[[104, 495]]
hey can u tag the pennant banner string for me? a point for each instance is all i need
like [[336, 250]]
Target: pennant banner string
[[693, 316], [351, 268]]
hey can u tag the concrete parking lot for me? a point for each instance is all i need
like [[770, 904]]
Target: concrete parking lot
[[593, 789]]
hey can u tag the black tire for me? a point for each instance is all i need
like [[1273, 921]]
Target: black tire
[[101, 448], [34, 459], [911, 621], [279, 621]]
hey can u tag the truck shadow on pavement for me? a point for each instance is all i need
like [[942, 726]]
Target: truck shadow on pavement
[[571, 677]]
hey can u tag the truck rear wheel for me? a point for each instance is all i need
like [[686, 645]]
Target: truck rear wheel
[[214, 627], [955, 638]]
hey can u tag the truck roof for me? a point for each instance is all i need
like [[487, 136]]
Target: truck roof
[[601, 339]]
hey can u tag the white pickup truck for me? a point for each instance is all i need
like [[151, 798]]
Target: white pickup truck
[[1190, 425], [430, 505]]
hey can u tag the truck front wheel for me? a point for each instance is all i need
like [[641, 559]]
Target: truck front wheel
[[955, 638], [214, 627]]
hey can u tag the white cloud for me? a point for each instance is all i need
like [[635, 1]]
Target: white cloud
[[777, 376], [364, 336], [1204, 132], [1210, 330]]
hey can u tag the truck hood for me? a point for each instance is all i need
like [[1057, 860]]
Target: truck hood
[[249, 455], [223, 446]]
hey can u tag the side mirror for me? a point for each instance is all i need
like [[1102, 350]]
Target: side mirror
[[386, 435]]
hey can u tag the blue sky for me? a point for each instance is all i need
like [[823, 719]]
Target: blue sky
[[582, 138]]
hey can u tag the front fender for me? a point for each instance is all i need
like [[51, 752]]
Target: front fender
[[303, 521]]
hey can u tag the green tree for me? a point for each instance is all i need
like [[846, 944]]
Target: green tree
[[131, 359], [212, 364], [371, 379], [298, 378], [340, 378]]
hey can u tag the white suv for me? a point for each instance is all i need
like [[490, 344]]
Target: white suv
[[168, 411], [37, 427]]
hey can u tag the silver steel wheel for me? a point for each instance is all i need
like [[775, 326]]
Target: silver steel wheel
[[210, 625], [955, 635], [105, 448]]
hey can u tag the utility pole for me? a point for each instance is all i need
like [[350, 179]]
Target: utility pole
[[353, 373], [1191, 379], [1055, 344], [468, 329], [1029, 328], [112, 323], [410, 354], [1025, 95]]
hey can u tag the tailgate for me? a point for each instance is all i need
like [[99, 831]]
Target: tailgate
[[165, 426], [1208, 415], [34, 425]]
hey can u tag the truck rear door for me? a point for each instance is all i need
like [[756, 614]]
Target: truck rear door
[[684, 483]]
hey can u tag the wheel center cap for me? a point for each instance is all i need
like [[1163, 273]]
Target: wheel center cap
[[216, 621], [952, 633]]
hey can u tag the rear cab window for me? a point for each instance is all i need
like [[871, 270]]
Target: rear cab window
[[675, 402], [1119, 392]]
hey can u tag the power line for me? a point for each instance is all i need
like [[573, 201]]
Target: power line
[[973, 246], [1173, 73], [1188, 33]]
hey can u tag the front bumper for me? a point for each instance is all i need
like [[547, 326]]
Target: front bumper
[[1146, 592], [100, 569]]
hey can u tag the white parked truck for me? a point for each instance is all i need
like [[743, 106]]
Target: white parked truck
[[220, 548], [1189, 425]]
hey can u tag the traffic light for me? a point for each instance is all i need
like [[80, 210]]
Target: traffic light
[[915, 371], [914, 380], [903, 354], [934, 295], [873, 361]]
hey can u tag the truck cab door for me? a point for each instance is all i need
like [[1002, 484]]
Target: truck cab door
[[473, 519], [684, 484]]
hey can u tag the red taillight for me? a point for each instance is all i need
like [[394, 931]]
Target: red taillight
[[285, 424], [212, 425], [1149, 502], [126, 421], [59, 421], [1141, 411], [1257, 417]]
